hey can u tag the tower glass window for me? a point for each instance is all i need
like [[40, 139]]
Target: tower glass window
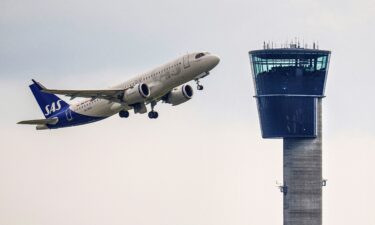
[[290, 71], [288, 82]]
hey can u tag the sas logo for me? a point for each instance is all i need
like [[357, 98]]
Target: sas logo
[[55, 106]]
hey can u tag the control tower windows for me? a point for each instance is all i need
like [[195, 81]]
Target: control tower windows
[[290, 73]]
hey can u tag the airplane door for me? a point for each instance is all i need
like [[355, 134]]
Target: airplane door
[[68, 114], [186, 61]]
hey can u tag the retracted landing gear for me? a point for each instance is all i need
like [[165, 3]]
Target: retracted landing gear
[[199, 86], [153, 114], [123, 114]]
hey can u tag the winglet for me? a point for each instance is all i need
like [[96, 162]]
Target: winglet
[[39, 85]]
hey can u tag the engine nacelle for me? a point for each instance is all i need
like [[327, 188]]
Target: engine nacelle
[[180, 95], [136, 94]]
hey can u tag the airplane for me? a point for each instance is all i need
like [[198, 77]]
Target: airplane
[[166, 83]]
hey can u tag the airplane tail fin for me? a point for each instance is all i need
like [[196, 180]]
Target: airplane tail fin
[[50, 104]]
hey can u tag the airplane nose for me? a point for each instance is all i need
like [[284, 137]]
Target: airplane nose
[[215, 60]]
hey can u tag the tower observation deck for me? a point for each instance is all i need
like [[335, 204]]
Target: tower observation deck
[[289, 87]]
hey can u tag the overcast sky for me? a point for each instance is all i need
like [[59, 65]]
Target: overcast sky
[[202, 162]]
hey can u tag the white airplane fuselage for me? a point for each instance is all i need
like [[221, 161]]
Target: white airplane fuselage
[[160, 81]]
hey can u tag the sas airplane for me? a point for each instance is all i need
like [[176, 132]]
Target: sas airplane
[[166, 83]]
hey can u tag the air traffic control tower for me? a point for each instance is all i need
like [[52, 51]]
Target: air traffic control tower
[[289, 87]]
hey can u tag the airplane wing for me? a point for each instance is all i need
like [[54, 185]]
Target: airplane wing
[[40, 121], [109, 94]]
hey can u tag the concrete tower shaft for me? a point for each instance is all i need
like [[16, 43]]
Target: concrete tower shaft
[[303, 177]]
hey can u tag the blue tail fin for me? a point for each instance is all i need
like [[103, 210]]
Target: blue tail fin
[[50, 104]]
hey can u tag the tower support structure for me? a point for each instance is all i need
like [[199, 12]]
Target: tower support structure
[[302, 171], [289, 88]]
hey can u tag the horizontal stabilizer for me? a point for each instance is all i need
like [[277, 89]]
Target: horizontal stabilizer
[[50, 121]]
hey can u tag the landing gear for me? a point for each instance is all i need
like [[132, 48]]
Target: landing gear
[[153, 114], [199, 86], [123, 114]]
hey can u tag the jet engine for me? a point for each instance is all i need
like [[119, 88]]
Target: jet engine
[[136, 94], [179, 95]]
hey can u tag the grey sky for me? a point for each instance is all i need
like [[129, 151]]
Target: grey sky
[[202, 162]]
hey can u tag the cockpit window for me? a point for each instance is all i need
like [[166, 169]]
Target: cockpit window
[[199, 55]]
